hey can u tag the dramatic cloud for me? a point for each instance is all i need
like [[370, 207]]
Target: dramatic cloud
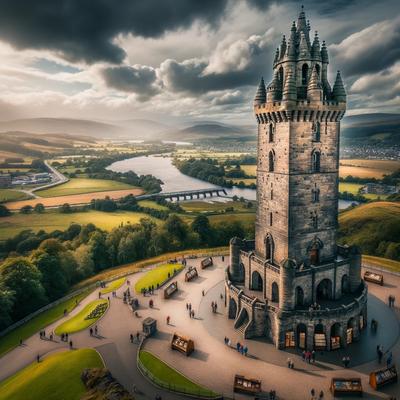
[[370, 50], [138, 79], [84, 30]]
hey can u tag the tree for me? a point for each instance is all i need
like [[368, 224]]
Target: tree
[[84, 260], [98, 249], [26, 209], [4, 211], [176, 228], [52, 246], [65, 208], [6, 306], [201, 225], [24, 279], [39, 208], [53, 279]]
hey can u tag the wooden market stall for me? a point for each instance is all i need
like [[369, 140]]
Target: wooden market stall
[[320, 341], [382, 377], [346, 386], [246, 385], [190, 274], [170, 290], [373, 277], [182, 344]]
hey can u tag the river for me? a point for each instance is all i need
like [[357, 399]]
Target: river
[[174, 181]]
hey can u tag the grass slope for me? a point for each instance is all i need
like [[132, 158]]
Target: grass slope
[[170, 377], [82, 185], [114, 285], [156, 276], [152, 204], [371, 226], [78, 322], [52, 220], [56, 377], [380, 262], [12, 195], [11, 340]]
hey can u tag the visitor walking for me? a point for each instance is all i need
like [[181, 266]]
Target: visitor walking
[[313, 356], [70, 344], [321, 395], [91, 331], [95, 330], [38, 358], [131, 338], [168, 319], [245, 350]]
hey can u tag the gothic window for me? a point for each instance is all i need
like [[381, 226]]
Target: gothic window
[[280, 76], [304, 74], [316, 161], [315, 194], [271, 161], [271, 133], [270, 218], [314, 249], [314, 220], [316, 131], [272, 194], [318, 69], [269, 248]]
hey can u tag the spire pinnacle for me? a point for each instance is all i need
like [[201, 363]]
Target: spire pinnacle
[[289, 90], [304, 51], [339, 92], [261, 95], [324, 53], [315, 49]]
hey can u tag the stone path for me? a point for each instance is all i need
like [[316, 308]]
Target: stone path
[[213, 364]]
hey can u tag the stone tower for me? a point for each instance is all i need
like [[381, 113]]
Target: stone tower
[[294, 284], [298, 153]]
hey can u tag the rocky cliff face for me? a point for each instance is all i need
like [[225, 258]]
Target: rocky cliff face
[[102, 386]]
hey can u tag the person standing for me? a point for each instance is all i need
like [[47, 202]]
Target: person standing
[[70, 344], [313, 356]]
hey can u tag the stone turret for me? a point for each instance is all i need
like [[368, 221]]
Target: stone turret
[[274, 91], [235, 273], [287, 273], [314, 88], [339, 92], [261, 95], [289, 90]]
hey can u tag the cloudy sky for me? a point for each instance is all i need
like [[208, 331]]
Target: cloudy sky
[[181, 60]]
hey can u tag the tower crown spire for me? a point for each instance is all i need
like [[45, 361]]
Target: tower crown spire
[[338, 91], [261, 95], [315, 50]]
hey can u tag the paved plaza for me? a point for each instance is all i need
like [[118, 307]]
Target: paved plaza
[[214, 364]]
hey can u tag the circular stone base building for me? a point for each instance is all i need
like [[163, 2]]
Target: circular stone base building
[[293, 283]]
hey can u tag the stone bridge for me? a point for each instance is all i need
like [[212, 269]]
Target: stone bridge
[[185, 194]]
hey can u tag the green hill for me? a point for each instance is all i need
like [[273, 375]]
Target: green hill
[[374, 227]]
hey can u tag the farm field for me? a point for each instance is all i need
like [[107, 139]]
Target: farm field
[[56, 377], [349, 187], [367, 168], [197, 153], [75, 199], [212, 206], [12, 195], [82, 186], [250, 170], [52, 220], [152, 204], [379, 262], [246, 218]]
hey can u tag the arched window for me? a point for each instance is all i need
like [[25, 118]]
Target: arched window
[[316, 131], [316, 161], [269, 248], [280, 76], [271, 133], [314, 250], [256, 281], [299, 296], [270, 219], [275, 292], [304, 74], [324, 290], [318, 69], [271, 161], [315, 194], [345, 284]]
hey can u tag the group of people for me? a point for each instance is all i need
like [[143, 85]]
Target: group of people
[[214, 306], [42, 335], [131, 337], [148, 291], [314, 395], [314, 307], [391, 300], [241, 349], [290, 363], [346, 361], [189, 308], [95, 331], [308, 356]]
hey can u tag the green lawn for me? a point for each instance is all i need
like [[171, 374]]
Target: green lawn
[[380, 262], [114, 285], [83, 185], [354, 187], [11, 340], [169, 377], [152, 204], [12, 195], [78, 322], [246, 218], [56, 377], [156, 276], [52, 220]]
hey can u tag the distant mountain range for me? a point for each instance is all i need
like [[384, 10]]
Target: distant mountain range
[[375, 128]]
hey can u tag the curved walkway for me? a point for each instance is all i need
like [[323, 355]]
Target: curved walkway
[[213, 364]]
